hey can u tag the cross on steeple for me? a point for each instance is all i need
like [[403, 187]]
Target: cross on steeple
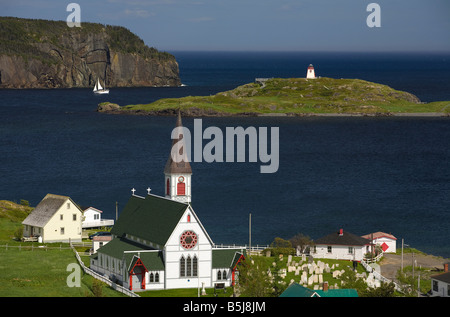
[[133, 190], [148, 190]]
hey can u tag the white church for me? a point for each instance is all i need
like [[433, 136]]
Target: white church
[[160, 243]]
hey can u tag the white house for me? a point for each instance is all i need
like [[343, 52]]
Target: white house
[[55, 219], [92, 218], [440, 283], [341, 245], [160, 243], [386, 241]]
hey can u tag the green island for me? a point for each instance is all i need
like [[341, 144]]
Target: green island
[[31, 269], [292, 97]]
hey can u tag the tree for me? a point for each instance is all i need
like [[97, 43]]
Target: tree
[[385, 290], [281, 246], [254, 280], [281, 243], [349, 280], [301, 242]]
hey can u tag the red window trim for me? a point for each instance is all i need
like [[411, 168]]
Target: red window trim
[[181, 189]]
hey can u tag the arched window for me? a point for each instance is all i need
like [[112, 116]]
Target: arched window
[[195, 266], [219, 275], [182, 267], [168, 187], [151, 278], [157, 277], [181, 189], [188, 266], [224, 274]]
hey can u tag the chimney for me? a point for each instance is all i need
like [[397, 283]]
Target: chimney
[[341, 232], [445, 267], [325, 286]]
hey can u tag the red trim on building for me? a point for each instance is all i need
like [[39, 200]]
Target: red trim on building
[[142, 273], [181, 189], [235, 269]]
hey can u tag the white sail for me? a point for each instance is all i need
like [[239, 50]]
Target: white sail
[[99, 86], [98, 89]]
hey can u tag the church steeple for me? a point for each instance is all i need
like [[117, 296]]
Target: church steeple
[[178, 172]]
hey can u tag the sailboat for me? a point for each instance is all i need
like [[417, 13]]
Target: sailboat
[[98, 89]]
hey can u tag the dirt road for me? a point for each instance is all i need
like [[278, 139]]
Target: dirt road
[[391, 263]]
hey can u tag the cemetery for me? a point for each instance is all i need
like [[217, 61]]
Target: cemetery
[[315, 273]]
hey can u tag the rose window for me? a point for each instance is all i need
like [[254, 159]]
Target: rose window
[[188, 239]]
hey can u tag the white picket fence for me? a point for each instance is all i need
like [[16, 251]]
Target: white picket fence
[[380, 277], [103, 278]]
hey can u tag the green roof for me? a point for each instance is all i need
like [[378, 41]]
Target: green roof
[[297, 290], [151, 258], [345, 292], [117, 246], [152, 261], [152, 218], [222, 258]]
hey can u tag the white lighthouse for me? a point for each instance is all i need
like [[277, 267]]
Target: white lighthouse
[[310, 73]]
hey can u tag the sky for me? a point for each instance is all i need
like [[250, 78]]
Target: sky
[[262, 25]]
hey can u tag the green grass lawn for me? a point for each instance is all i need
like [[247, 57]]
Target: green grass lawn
[[37, 272], [300, 96], [41, 273]]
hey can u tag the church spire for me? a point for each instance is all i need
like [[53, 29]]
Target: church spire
[[178, 172], [183, 166]]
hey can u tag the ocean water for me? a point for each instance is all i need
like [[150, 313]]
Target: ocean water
[[360, 174]]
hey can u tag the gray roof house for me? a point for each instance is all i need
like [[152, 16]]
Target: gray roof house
[[341, 245], [55, 219]]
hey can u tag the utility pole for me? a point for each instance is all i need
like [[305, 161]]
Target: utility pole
[[402, 256], [116, 210], [250, 234], [418, 285]]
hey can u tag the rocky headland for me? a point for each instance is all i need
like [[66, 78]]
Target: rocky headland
[[49, 54]]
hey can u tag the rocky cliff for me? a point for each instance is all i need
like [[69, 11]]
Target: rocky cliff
[[49, 54]]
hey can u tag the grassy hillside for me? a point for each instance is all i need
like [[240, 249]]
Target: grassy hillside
[[11, 217], [38, 272], [297, 96]]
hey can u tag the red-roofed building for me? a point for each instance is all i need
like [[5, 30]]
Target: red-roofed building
[[386, 241]]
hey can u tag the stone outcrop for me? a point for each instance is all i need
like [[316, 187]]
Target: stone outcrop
[[63, 57]]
